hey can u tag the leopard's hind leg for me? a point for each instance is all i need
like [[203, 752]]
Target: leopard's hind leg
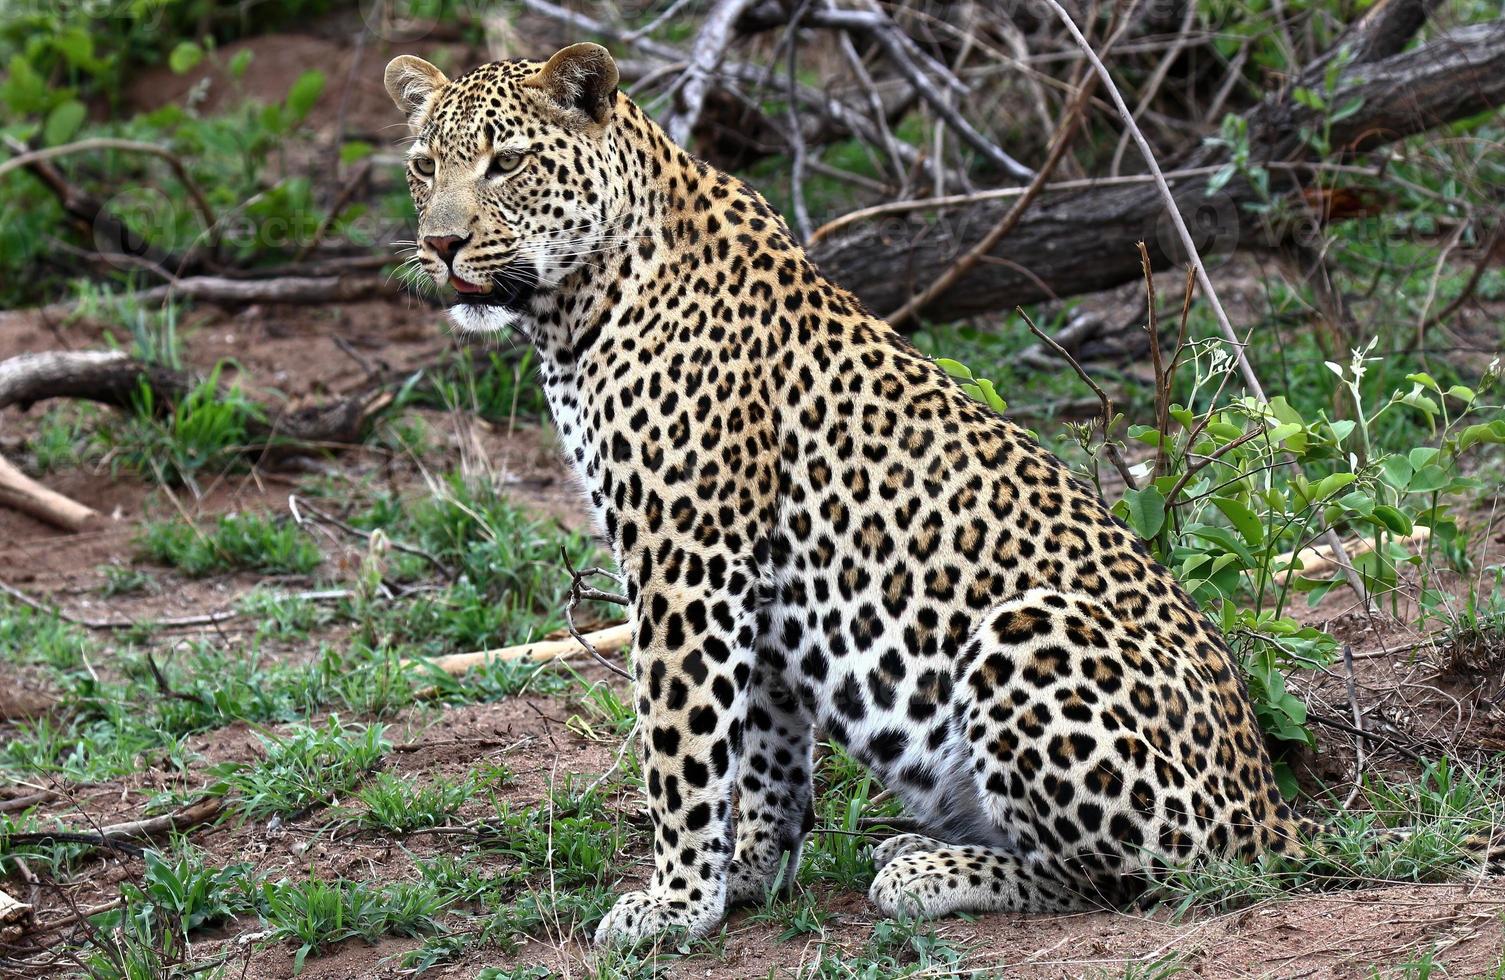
[[1099, 750]]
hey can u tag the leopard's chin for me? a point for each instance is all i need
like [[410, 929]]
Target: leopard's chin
[[480, 319]]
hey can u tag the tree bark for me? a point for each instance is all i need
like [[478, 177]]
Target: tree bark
[[1085, 242]]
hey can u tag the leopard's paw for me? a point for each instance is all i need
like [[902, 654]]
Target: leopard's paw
[[642, 915], [900, 845]]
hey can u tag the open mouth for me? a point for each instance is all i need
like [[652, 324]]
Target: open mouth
[[511, 288]]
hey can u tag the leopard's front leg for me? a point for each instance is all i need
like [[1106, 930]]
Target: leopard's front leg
[[693, 650]]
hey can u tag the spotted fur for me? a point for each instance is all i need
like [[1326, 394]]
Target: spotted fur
[[819, 529]]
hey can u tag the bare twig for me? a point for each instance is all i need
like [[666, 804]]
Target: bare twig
[[206, 213], [991, 194], [610, 639], [356, 181], [1157, 78], [167, 622], [899, 50], [796, 137], [705, 54], [580, 592], [297, 505], [1110, 449], [1358, 721], [21, 492], [1251, 380], [1005, 224]]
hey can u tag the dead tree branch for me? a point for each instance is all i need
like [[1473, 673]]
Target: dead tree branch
[[705, 54], [1085, 242]]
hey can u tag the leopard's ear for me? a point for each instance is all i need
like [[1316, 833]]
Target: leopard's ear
[[580, 78], [411, 82]]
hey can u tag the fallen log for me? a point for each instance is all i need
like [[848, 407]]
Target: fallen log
[[609, 640], [285, 289], [115, 378], [20, 492], [1080, 242]]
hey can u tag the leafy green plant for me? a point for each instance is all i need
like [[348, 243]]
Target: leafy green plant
[[316, 913], [207, 427], [307, 767], [1397, 831], [1234, 489], [235, 542], [184, 893], [401, 805]]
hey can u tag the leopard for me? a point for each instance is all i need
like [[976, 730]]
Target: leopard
[[819, 530]]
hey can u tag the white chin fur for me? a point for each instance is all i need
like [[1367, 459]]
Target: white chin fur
[[482, 319]]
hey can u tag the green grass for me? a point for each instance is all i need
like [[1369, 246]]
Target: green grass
[[316, 913], [497, 388], [508, 578], [184, 891], [897, 948], [207, 429], [307, 767], [1396, 832], [837, 852], [401, 805], [233, 543], [28, 636]]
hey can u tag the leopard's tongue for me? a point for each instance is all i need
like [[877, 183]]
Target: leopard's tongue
[[461, 286]]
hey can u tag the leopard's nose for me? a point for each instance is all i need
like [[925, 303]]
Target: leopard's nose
[[446, 246]]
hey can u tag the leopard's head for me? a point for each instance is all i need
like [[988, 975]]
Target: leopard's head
[[514, 177]]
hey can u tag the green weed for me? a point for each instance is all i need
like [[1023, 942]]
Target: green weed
[[317, 913], [208, 427], [305, 768], [234, 542], [1419, 831]]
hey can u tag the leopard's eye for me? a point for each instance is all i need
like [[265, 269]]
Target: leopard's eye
[[503, 164], [423, 166]]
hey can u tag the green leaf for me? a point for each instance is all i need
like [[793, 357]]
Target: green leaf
[[1286, 781], [990, 397], [1347, 109], [1283, 431], [1421, 456], [354, 151], [185, 57], [63, 122], [1220, 178], [1239, 514], [1392, 519], [1146, 511], [1428, 479], [1493, 432], [1465, 395], [1308, 98], [1425, 380], [76, 46], [1223, 539], [240, 62], [1397, 470], [1331, 484], [304, 93], [1342, 429], [956, 369]]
